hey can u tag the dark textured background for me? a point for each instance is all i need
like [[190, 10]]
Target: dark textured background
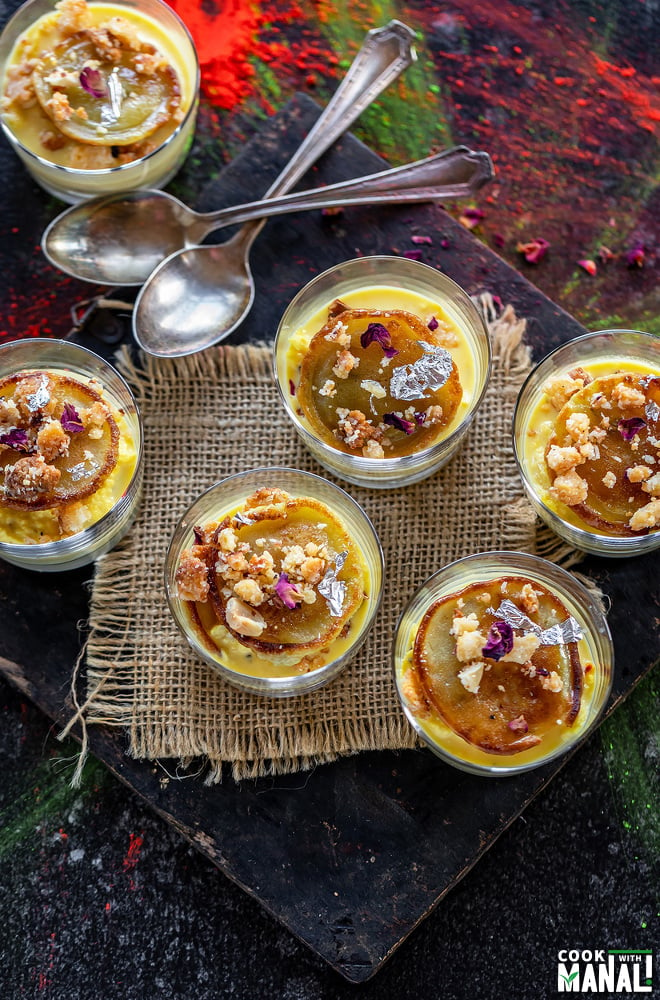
[[100, 898]]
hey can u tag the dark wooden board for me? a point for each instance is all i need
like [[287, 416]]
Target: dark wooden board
[[353, 855]]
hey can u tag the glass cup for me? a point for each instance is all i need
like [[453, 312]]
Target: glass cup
[[163, 27], [595, 648], [115, 504], [235, 662], [598, 354], [384, 283]]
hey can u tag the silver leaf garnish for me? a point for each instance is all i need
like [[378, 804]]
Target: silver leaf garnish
[[243, 518], [652, 411], [557, 635], [431, 371], [40, 397], [81, 470], [116, 92], [332, 589]]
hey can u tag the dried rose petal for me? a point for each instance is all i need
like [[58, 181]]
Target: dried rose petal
[[542, 672], [519, 725], [445, 244], [471, 217], [433, 323], [588, 266], [605, 254], [199, 535], [498, 240], [292, 387], [391, 419], [628, 427], [421, 239], [379, 333], [16, 439], [287, 592], [70, 420], [420, 418], [91, 80], [413, 255], [635, 256], [499, 641], [534, 250]]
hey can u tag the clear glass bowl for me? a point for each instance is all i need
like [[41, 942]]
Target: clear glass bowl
[[226, 497], [595, 647], [597, 353], [104, 533], [153, 170], [400, 284]]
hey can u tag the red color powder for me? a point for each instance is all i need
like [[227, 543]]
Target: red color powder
[[224, 32], [133, 853]]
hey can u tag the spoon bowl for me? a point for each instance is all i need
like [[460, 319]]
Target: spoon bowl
[[194, 318]]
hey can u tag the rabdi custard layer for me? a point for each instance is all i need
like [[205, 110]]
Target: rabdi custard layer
[[592, 447], [67, 455], [275, 588], [381, 373], [93, 86]]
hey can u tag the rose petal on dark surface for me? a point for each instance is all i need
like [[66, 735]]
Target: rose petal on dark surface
[[16, 439], [91, 81], [628, 427], [413, 255], [421, 240], [535, 250], [392, 420], [635, 256], [499, 641], [70, 419], [287, 592]]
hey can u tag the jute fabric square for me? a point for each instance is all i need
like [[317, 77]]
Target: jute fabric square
[[215, 414]]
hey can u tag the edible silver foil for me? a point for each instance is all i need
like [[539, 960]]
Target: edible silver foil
[[116, 92], [81, 470], [40, 397], [652, 411], [431, 371], [332, 589], [557, 635], [243, 518]]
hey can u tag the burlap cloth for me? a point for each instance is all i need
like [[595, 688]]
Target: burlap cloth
[[217, 413]]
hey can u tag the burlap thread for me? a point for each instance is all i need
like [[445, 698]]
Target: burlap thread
[[199, 423]]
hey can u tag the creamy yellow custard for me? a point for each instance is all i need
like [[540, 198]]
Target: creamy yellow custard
[[94, 86], [78, 449], [351, 374], [590, 445], [275, 587]]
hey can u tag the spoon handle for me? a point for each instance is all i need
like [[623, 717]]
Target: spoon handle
[[454, 173], [384, 55]]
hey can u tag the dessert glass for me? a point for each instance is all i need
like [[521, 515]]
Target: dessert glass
[[384, 283], [156, 20], [595, 647], [256, 674], [115, 505], [597, 353]]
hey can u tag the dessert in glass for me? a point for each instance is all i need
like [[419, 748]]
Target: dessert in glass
[[98, 98], [381, 364], [274, 577], [503, 661], [587, 441], [70, 455]]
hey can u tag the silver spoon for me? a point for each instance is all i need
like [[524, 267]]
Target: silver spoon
[[119, 240], [215, 282]]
